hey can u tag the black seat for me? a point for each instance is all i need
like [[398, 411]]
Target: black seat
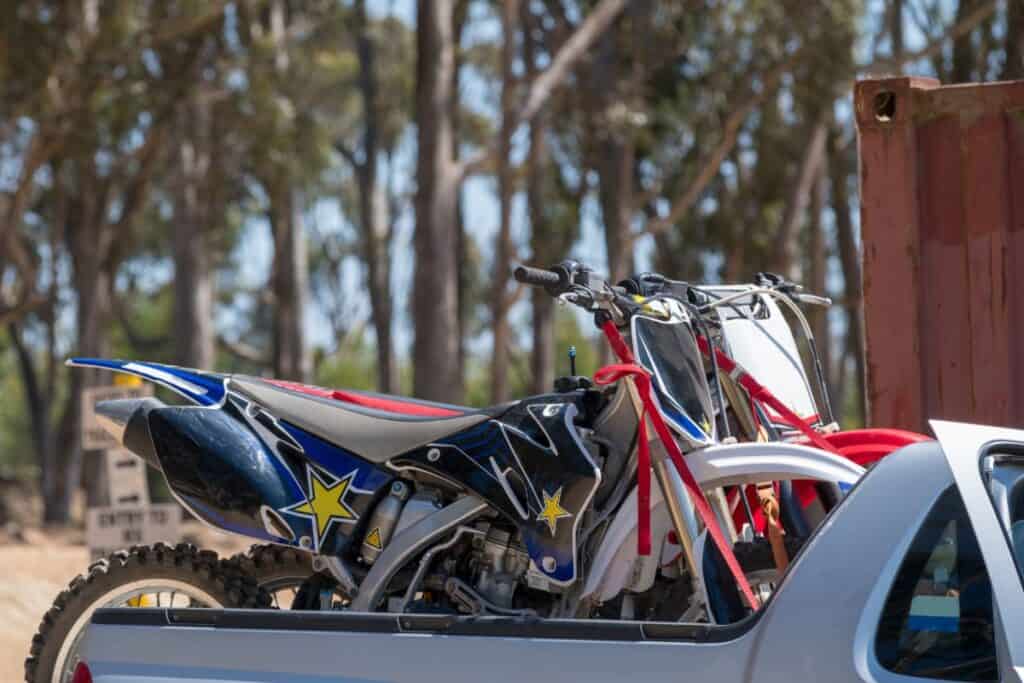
[[344, 418]]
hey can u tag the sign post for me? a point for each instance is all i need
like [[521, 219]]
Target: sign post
[[129, 518]]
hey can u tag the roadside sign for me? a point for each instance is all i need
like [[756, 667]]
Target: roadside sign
[[93, 436], [113, 528], [126, 478]]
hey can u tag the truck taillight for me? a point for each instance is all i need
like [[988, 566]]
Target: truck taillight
[[82, 674]]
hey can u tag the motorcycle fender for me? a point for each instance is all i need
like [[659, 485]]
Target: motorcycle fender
[[712, 467]]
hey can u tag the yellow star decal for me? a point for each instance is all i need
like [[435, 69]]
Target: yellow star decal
[[325, 502], [553, 510], [706, 426]]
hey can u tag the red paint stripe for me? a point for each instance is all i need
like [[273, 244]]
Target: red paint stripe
[[388, 405]]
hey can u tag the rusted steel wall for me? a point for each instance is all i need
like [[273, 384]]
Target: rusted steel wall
[[942, 224]]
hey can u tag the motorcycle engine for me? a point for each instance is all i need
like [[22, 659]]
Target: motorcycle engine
[[501, 562]]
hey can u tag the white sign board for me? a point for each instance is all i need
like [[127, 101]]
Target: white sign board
[[94, 437], [114, 528], [126, 478]]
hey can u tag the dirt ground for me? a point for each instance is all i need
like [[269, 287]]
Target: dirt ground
[[37, 569]]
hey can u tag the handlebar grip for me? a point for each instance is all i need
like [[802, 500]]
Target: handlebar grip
[[536, 276], [812, 299]]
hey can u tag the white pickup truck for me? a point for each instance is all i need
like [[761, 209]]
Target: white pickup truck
[[915, 575]]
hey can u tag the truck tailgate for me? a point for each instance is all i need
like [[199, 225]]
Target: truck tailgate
[[236, 646]]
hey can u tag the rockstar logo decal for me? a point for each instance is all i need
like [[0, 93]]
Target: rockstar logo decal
[[553, 510], [325, 503], [706, 426]]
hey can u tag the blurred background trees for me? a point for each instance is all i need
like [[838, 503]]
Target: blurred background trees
[[335, 190]]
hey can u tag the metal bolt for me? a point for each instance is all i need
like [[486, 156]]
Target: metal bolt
[[434, 454]]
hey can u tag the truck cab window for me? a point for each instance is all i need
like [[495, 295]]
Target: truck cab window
[[937, 622], [1005, 477]]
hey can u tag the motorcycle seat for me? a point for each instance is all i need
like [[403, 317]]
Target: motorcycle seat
[[376, 427]]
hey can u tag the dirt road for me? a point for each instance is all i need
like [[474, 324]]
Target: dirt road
[[33, 576], [35, 572]]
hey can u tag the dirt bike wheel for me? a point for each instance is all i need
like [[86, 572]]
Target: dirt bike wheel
[[159, 576], [279, 570]]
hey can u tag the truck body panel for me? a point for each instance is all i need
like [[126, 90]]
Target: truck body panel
[[798, 635]]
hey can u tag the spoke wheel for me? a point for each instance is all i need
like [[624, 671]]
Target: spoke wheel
[[144, 576], [285, 573]]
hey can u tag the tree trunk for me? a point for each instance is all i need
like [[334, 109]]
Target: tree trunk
[[964, 58], [543, 248], [615, 194], [542, 357], [1013, 69], [800, 194], [373, 211], [93, 284], [42, 432], [193, 279], [840, 169], [435, 286], [290, 272], [896, 29], [464, 265], [503, 248], [818, 264]]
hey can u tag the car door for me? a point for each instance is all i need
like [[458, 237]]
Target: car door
[[966, 446]]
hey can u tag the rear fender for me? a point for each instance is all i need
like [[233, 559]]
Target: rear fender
[[201, 388]]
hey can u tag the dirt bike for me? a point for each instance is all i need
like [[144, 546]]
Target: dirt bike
[[539, 508], [756, 368]]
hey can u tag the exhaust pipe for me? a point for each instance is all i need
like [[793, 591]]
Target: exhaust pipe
[[127, 420]]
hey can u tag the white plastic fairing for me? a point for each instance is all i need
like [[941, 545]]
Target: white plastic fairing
[[766, 348], [617, 563]]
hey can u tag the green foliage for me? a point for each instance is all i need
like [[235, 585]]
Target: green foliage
[[350, 367], [16, 454]]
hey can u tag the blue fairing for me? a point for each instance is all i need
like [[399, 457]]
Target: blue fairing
[[681, 420], [203, 388], [337, 461]]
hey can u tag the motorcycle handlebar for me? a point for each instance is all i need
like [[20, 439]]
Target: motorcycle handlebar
[[538, 277], [812, 299]]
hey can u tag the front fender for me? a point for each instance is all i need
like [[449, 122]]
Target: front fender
[[712, 467]]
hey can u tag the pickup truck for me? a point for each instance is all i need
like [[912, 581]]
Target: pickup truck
[[915, 575]]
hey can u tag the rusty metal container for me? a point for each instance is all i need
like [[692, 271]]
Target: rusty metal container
[[942, 224]]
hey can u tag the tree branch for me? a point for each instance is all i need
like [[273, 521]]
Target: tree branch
[[711, 164], [597, 21], [961, 28], [345, 151], [243, 351], [811, 164], [730, 131]]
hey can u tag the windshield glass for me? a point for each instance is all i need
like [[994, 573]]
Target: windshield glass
[[669, 351]]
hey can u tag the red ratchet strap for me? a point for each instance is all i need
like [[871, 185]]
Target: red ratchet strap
[[642, 378], [759, 393]]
